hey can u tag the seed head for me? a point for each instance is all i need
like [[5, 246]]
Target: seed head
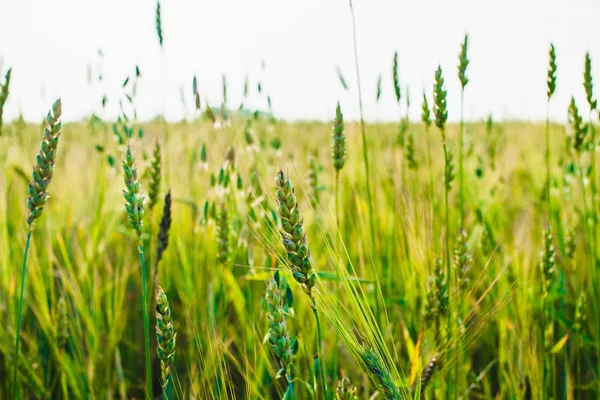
[[44, 165], [439, 102], [4, 90], [155, 175], [338, 147], [463, 63], [380, 375], [547, 261], [62, 322], [278, 334], [462, 259], [425, 112], [159, 31], [588, 83], [223, 235], [396, 78], [551, 81], [580, 313], [579, 129], [133, 193], [164, 227], [292, 234], [165, 336], [410, 153]]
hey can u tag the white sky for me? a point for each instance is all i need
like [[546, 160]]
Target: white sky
[[49, 44]]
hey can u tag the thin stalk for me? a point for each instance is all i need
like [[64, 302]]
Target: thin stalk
[[366, 158], [461, 189], [591, 250], [544, 369], [20, 320], [146, 322], [319, 352], [549, 200], [362, 128], [447, 218]]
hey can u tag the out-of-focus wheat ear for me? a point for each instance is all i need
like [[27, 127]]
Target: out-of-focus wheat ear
[[380, 376], [547, 263], [440, 110], [163, 232], [463, 59], [338, 147], [551, 80], [378, 90], [44, 165], [62, 323], [155, 177], [159, 31], [588, 83], [427, 373], [223, 235], [579, 129], [425, 112], [165, 337], [396, 78], [4, 90], [133, 193]]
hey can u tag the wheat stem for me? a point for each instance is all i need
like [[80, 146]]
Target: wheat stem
[[20, 315]]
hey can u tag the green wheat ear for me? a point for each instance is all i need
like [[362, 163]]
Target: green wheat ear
[[4, 90], [159, 30], [165, 336], [440, 110], [425, 112], [579, 129], [338, 147], [547, 262], [551, 81], [396, 78], [283, 347], [463, 62], [133, 193], [292, 234], [155, 176], [44, 165], [588, 83], [381, 376]]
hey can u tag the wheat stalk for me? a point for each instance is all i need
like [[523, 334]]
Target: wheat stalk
[[43, 171]]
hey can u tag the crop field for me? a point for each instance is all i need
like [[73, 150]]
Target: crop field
[[235, 254]]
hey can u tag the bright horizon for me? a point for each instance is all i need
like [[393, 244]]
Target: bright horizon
[[49, 45]]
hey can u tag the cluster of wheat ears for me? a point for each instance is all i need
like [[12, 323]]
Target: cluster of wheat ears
[[407, 266]]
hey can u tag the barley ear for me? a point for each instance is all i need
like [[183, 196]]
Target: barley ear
[[44, 166]]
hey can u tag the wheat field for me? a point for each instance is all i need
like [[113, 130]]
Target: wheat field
[[238, 255]]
